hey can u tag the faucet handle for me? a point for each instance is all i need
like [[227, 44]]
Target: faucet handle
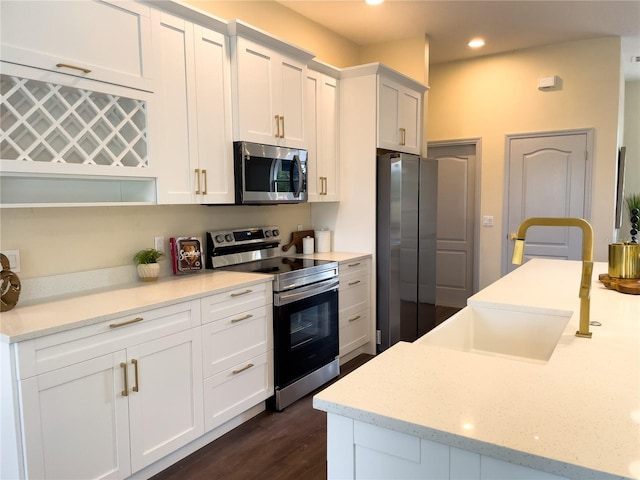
[[513, 236]]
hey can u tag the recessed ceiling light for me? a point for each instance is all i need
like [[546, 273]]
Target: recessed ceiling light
[[374, 2], [476, 43]]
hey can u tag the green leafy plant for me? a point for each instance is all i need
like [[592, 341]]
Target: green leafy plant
[[148, 255], [633, 201]]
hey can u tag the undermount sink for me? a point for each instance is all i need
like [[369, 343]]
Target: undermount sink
[[520, 335]]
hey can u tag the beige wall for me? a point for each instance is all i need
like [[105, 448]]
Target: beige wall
[[495, 96]]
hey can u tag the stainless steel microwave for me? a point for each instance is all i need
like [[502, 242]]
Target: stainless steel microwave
[[269, 174]]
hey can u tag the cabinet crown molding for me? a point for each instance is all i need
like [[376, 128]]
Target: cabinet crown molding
[[239, 28], [380, 68]]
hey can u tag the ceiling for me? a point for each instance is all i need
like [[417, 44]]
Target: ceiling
[[505, 25]]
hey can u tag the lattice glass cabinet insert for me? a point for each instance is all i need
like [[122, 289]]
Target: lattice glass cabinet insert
[[50, 123]]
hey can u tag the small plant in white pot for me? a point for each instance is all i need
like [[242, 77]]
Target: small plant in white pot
[[147, 264]]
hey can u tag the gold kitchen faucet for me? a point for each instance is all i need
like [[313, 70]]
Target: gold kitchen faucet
[[587, 259]]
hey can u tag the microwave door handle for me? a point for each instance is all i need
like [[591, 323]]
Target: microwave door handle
[[300, 177]]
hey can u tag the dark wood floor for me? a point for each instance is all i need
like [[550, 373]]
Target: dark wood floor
[[287, 445]]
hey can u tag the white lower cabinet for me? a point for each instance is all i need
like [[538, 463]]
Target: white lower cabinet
[[108, 400], [354, 304], [359, 450], [114, 414], [237, 340]]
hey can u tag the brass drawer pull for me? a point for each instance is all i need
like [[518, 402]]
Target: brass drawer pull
[[354, 283], [240, 370], [353, 319], [354, 264], [125, 392], [277, 126], [282, 119], [198, 189], [128, 322], [236, 320], [135, 364], [237, 294], [66, 65]]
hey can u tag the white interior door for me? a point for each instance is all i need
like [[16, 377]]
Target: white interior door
[[549, 176], [455, 223]]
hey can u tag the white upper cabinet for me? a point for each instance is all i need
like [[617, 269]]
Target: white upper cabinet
[[268, 85], [322, 123], [191, 136], [399, 116], [101, 40]]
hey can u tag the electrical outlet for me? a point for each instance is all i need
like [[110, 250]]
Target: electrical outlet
[[300, 227], [14, 259], [159, 244]]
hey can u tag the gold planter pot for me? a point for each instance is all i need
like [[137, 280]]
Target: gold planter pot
[[624, 260]]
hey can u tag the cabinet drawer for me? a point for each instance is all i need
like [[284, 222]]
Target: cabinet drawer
[[353, 292], [58, 350], [90, 39], [236, 301], [237, 389], [229, 341], [354, 329], [354, 268]]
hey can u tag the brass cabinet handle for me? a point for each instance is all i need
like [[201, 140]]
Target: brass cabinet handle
[[353, 319], [204, 175], [66, 65], [237, 294], [403, 136], [135, 365], [125, 392], [246, 367], [282, 120], [128, 322], [236, 320], [354, 264], [198, 192], [354, 283], [323, 185], [277, 126]]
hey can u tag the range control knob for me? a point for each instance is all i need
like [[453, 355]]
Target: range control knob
[[219, 238], [276, 232], [267, 233], [228, 237]]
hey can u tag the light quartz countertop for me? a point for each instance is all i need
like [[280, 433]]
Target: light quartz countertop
[[35, 319], [577, 415]]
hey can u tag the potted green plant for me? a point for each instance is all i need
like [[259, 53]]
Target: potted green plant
[[147, 264], [633, 207]]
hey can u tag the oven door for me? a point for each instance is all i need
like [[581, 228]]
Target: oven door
[[305, 330], [269, 174]]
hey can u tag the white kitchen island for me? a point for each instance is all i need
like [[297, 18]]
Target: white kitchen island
[[425, 411]]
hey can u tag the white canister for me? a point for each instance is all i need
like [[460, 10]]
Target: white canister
[[323, 241], [307, 245]]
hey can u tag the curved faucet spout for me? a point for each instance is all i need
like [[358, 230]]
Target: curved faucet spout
[[587, 258]]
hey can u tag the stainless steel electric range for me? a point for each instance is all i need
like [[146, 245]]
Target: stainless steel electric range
[[305, 307]]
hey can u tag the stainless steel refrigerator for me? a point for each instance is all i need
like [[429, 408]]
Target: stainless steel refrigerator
[[405, 246]]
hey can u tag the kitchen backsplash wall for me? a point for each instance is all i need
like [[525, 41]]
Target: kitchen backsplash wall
[[54, 241]]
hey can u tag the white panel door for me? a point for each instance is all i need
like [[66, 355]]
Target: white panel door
[[548, 177], [165, 396], [455, 223], [76, 421]]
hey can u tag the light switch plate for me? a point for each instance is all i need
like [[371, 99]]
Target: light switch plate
[[159, 244], [487, 221], [14, 259]]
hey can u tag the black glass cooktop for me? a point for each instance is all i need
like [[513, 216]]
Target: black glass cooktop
[[277, 265]]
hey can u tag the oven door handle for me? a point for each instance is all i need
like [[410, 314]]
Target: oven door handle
[[284, 298]]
